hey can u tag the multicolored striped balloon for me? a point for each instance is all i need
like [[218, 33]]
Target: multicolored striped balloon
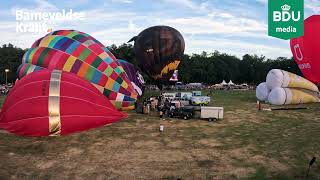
[[79, 53], [134, 76]]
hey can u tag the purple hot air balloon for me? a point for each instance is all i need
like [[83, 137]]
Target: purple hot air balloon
[[134, 76]]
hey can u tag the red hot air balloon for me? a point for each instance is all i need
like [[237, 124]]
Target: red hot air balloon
[[54, 103], [306, 49]]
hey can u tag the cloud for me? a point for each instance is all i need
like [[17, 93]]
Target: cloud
[[45, 5], [235, 47], [313, 5], [206, 27], [123, 1], [186, 3], [38, 6], [262, 1]]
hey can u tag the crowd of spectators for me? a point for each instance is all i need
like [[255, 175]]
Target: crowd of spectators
[[4, 89], [202, 87]]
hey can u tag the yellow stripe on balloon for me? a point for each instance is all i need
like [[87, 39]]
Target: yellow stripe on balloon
[[69, 63], [54, 104], [45, 41], [169, 67], [103, 55]]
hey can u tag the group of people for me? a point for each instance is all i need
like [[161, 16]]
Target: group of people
[[4, 89], [162, 105]]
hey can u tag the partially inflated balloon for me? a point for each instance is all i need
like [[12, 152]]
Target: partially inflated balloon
[[305, 49], [78, 53], [27, 68], [281, 78], [134, 76], [283, 96], [53, 103], [159, 50], [262, 92]]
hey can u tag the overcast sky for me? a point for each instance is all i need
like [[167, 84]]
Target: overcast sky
[[234, 27]]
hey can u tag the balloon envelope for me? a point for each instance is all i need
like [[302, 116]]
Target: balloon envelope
[[79, 53], [281, 78], [305, 49], [134, 76], [283, 96], [53, 103], [159, 50], [262, 91]]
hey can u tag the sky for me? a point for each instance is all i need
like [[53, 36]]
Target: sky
[[234, 27]]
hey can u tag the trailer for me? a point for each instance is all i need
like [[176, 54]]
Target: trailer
[[211, 113]]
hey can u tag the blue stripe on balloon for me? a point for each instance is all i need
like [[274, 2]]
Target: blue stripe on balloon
[[65, 45], [126, 98], [27, 55], [116, 87], [60, 43], [72, 47], [96, 77], [108, 60]]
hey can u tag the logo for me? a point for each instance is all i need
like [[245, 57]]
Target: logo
[[286, 18], [39, 22]]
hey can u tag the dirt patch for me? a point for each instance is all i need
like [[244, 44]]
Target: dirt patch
[[239, 115], [147, 144], [42, 165], [210, 142], [74, 151], [269, 163]]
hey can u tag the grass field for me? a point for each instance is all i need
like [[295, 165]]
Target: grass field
[[246, 144]]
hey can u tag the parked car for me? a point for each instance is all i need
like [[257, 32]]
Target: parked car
[[183, 112], [198, 99]]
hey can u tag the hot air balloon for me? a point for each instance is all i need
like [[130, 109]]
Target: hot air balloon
[[27, 68], [284, 96], [281, 78], [78, 53], [305, 49], [159, 50], [134, 76], [262, 91], [54, 103]]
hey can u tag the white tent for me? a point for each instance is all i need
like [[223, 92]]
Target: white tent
[[223, 83], [230, 83]]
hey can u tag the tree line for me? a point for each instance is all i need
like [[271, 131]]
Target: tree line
[[212, 68], [209, 68], [10, 58]]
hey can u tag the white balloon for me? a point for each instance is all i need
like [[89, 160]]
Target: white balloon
[[262, 92]]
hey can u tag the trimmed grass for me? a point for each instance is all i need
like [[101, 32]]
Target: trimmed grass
[[246, 144]]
